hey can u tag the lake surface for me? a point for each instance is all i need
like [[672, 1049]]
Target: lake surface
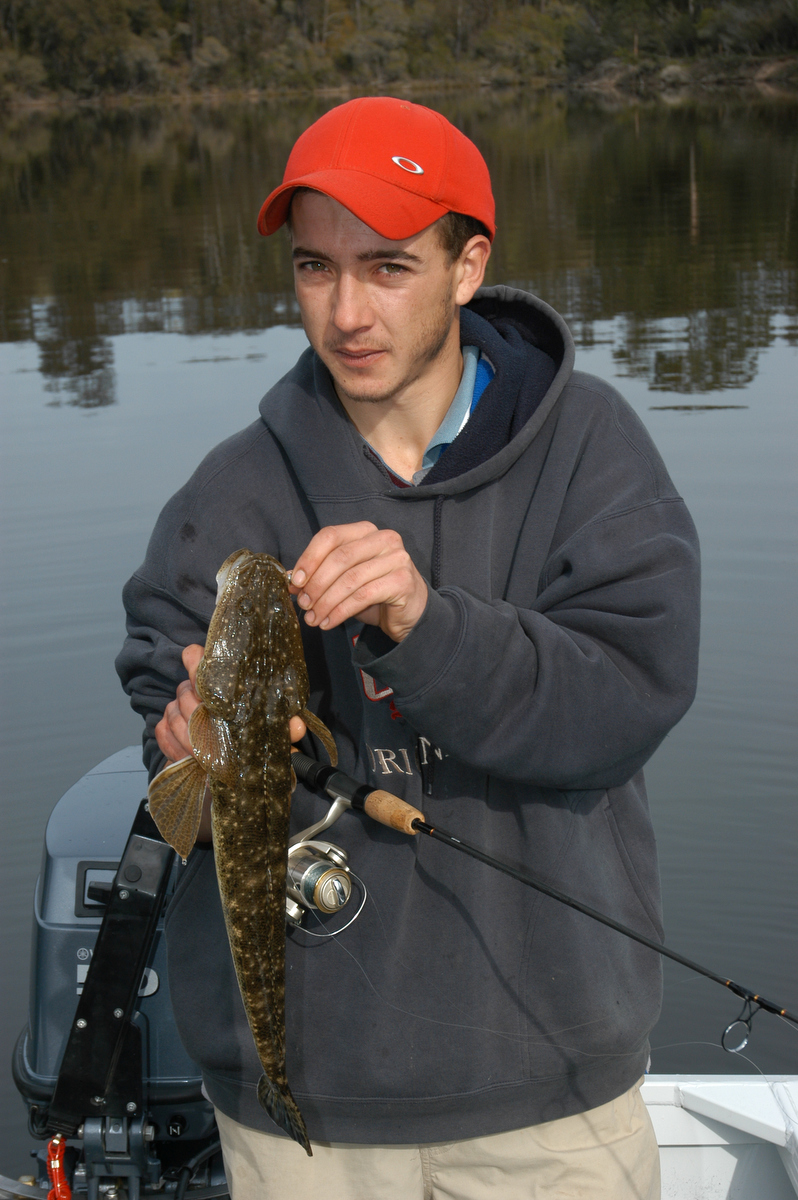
[[142, 318]]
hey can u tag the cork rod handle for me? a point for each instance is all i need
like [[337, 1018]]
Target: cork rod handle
[[390, 810]]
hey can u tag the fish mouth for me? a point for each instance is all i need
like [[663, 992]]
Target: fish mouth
[[226, 570], [231, 564]]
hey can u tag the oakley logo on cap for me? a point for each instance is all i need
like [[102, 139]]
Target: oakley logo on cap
[[407, 164]]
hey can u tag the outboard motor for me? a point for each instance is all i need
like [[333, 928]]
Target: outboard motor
[[100, 1064]]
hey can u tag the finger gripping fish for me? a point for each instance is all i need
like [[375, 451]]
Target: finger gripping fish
[[251, 681]]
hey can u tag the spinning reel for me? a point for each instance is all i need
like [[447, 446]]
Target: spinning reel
[[318, 873]]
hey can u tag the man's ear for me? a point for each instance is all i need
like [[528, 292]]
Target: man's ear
[[471, 266]]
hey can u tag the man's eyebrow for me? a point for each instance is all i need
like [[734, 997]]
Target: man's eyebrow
[[393, 255], [300, 252], [378, 255]]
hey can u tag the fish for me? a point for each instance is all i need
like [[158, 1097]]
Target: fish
[[251, 680]]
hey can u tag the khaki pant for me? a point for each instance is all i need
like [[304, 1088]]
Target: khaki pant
[[608, 1153]]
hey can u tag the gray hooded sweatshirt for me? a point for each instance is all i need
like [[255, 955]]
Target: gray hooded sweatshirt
[[558, 647]]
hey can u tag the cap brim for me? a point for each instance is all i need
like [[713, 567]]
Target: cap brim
[[391, 211]]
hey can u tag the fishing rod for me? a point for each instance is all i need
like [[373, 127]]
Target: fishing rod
[[398, 814]]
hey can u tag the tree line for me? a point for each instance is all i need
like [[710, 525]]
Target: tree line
[[86, 47]]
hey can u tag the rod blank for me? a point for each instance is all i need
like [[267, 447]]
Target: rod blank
[[404, 817], [441, 835]]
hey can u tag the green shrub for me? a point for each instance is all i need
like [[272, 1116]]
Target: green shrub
[[584, 47], [208, 62], [376, 53], [765, 28], [88, 46], [295, 63], [21, 74], [681, 36], [526, 42]]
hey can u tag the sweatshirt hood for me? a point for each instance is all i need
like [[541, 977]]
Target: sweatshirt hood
[[532, 352]]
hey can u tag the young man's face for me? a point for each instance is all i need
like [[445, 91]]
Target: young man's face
[[382, 315]]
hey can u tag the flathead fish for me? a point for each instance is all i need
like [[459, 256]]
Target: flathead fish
[[251, 681]]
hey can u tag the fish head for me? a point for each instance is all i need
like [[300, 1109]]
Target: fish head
[[229, 635], [254, 659]]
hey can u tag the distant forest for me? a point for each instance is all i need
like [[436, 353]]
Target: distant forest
[[90, 47]]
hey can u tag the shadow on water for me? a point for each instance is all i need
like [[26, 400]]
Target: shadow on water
[[678, 221]]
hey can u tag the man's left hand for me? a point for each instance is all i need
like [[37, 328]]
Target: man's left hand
[[359, 571]]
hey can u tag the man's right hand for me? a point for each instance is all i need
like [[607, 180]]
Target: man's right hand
[[171, 732]]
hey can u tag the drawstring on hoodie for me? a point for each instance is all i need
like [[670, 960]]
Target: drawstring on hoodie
[[436, 542], [426, 762]]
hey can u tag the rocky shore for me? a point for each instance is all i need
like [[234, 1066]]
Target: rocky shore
[[650, 76], [616, 78]]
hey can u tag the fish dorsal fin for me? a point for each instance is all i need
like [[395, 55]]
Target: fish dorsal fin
[[212, 745], [176, 797], [317, 726]]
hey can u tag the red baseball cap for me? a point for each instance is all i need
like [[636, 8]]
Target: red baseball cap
[[397, 166]]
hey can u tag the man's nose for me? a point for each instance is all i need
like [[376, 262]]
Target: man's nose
[[351, 308]]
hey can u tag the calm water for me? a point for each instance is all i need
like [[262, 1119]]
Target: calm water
[[141, 319]]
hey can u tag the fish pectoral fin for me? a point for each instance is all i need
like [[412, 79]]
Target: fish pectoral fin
[[282, 1108], [212, 745], [317, 726], [175, 798]]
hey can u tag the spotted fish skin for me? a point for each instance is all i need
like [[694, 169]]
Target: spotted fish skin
[[251, 681]]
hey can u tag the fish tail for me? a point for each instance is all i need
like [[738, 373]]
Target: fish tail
[[282, 1108]]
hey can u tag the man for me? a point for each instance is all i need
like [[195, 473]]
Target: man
[[500, 596]]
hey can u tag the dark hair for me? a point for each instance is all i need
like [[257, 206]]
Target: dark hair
[[296, 192], [454, 229]]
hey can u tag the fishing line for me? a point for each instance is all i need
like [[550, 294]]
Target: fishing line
[[521, 1038], [790, 1124], [510, 1037], [752, 1001], [678, 1045], [336, 785], [351, 921]]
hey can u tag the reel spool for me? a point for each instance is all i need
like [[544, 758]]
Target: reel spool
[[318, 878]]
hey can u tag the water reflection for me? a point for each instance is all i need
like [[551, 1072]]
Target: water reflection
[[80, 366], [689, 408], [706, 352], [679, 222]]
